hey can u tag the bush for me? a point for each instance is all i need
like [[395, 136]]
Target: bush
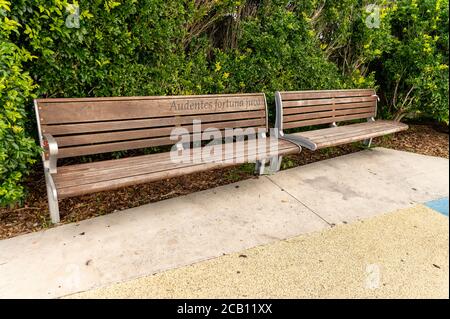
[[17, 149], [414, 71]]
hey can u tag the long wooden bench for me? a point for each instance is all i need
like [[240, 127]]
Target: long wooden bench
[[304, 109], [71, 127]]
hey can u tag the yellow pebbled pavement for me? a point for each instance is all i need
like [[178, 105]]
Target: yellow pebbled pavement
[[403, 254]]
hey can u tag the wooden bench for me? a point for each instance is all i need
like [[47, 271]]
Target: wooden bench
[[312, 108], [71, 127]]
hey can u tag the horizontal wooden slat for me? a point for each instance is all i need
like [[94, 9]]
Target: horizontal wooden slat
[[319, 108], [355, 128], [149, 123], [71, 151], [129, 161], [133, 180], [301, 95], [133, 98], [83, 139], [317, 115], [343, 100], [112, 147], [151, 163], [91, 110], [110, 181], [352, 133], [326, 120]]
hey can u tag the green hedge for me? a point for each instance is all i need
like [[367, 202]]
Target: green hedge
[[158, 47], [17, 150]]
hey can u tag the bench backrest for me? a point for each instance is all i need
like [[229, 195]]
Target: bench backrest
[[307, 108], [85, 126]]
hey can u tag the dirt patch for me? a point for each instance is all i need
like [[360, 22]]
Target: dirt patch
[[422, 139], [33, 216]]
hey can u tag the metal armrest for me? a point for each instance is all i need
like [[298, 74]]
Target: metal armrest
[[50, 152], [300, 141]]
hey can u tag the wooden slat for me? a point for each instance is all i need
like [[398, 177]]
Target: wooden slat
[[63, 192], [83, 139], [149, 123], [72, 151], [330, 107], [350, 132], [133, 180], [343, 100], [126, 163], [145, 178], [113, 171], [355, 128], [91, 110], [132, 98], [112, 147], [316, 115], [301, 95], [353, 136], [326, 120]]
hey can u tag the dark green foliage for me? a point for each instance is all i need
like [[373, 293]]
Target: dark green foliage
[[17, 149]]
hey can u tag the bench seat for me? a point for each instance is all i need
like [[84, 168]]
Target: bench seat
[[80, 179], [339, 135], [74, 127]]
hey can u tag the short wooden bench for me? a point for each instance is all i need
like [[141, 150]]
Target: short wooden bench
[[311, 108], [71, 127]]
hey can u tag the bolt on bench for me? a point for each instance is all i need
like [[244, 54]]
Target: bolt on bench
[[71, 127], [310, 108]]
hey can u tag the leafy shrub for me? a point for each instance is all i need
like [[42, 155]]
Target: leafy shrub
[[17, 148], [414, 71]]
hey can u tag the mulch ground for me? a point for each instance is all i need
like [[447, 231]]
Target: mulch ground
[[33, 215]]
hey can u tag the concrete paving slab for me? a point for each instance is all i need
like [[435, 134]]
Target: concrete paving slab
[[151, 238], [347, 261], [367, 183]]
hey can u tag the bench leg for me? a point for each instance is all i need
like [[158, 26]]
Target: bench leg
[[368, 142], [260, 166], [52, 196], [275, 164]]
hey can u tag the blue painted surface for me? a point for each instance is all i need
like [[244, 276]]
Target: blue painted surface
[[439, 205]]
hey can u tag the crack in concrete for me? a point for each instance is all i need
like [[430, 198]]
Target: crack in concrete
[[299, 201]]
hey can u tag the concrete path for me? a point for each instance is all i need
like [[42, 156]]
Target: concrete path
[[366, 183], [184, 230], [347, 261]]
